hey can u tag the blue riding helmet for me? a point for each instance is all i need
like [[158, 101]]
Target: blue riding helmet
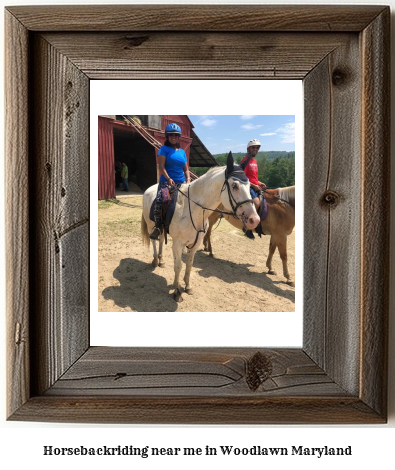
[[173, 129]]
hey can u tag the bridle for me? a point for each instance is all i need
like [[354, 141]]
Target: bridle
[[238, 174]]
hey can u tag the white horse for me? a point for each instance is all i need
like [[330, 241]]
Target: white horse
[[227, 185]]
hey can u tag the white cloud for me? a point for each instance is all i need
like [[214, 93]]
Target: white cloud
[[250, 127], [209, 122], [245, 117], [267, 134], [287, 133]]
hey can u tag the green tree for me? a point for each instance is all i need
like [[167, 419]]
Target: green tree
[[281, 173]]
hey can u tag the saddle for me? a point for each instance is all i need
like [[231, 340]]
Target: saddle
[[262, 211], [168, 207]]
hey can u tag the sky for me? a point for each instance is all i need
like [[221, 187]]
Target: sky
[[224, 133]]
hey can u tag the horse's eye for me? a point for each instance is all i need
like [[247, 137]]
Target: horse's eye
[[235, 186]]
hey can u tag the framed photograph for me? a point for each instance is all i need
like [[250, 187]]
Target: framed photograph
[[339, 375], [235, 283]]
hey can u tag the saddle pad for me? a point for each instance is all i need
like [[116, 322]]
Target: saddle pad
[[167, 210], [262, 211]]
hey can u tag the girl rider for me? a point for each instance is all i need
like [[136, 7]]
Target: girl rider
[[173, 170]]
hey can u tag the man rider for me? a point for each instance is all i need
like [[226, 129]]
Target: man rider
[[250, 167]]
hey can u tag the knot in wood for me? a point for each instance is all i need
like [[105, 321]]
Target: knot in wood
[[135, 41], [339, 77], [259, 369], [330, 199]]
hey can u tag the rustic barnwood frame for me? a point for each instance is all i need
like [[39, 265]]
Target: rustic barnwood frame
[[340, 374]]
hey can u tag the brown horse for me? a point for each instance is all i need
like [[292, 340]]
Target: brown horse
[[279, 223]]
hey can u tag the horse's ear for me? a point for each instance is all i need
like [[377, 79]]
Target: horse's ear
[[229, 163]]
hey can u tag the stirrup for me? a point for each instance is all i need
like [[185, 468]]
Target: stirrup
[[155, 234]]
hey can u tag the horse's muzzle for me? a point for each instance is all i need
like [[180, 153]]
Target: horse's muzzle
[[250, 220]]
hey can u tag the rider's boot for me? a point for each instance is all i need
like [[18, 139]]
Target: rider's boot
[[158, 222], [248, 234], [259, 231], [155, 233]]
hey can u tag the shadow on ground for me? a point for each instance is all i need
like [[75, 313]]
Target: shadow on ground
[[142, 288], [230, 273]]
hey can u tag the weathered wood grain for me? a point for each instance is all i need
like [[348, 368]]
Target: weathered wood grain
[[317, 151], [375, 211], [17, 189], [203, 372], [196, 55], [339, 376], [198, 410], [60, 213], [196, 17], [332, 213]]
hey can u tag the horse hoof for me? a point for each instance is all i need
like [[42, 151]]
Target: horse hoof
[[177, 295], [291, 283], [155, 263], [271, 272], [189, 291], [162, 265], [211, 255]]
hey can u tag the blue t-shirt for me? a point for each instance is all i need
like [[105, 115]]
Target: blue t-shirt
[[175, 162]]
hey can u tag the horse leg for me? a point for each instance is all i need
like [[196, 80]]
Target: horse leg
[[207, 242], [272, 249], [282, 248], [155, 261], [177, 255], [188, 268], [207, 238], [161, 262]]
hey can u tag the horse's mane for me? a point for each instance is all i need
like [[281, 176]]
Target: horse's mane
[[287, 194], [212, 170]]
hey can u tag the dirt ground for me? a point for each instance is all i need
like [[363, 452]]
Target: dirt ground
[[234, 280]]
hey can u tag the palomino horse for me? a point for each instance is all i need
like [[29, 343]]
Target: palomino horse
[[190, 218], [279, 223]]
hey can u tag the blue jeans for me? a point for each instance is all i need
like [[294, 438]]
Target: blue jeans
[[125, 184], [253, 193]]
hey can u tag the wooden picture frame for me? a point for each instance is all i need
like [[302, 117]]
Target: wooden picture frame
[[340, 374]]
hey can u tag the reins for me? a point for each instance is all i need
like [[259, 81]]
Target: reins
[[279, 198], [233, 203]]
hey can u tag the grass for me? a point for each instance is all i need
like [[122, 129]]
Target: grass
[[117, 220], [107, 203]]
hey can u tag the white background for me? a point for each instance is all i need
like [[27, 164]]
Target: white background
[[21, 443], [280, 97]]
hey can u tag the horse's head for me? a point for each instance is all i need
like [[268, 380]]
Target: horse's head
[[237, 198]]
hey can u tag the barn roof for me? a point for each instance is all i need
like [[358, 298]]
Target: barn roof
[[199, 155]]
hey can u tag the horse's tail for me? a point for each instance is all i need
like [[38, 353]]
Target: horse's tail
[[144, 231], [287, 194]]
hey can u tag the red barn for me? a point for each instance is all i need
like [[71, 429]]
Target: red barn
[[137, 146]]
